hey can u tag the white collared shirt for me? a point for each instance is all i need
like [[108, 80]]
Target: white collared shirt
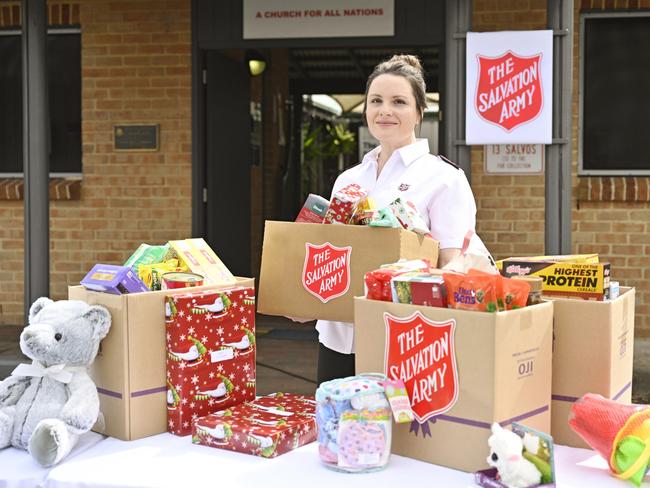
[[440, 192]]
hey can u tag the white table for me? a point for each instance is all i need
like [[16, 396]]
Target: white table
[[19, 470], [169, 461]]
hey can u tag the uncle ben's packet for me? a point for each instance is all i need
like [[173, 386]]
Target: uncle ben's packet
[[515, 293], [477, 292]]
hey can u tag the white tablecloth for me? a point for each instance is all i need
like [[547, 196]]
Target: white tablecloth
[[19, 470], [169, 461]]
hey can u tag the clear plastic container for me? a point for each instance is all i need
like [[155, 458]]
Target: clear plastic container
[[354, 423]]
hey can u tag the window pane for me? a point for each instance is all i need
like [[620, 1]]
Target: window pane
[[64, 73], [63, 60], [11, 125], [616, 93]]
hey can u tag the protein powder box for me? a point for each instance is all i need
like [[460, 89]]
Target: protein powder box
[[589, 281]]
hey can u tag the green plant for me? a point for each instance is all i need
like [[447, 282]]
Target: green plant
[[328, 140], [323, 141]]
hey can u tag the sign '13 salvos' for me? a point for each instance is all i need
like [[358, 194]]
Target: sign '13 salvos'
[[421, 353], [326, 273], [509, 89]]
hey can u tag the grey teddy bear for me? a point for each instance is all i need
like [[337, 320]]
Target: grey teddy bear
[[46, 405]]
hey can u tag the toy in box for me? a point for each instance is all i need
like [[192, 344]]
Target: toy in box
[[521, 458]]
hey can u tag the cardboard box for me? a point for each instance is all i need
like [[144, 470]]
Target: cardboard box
[[584, 280], [266, 427], [313, 271], [592, 353], [503, 364], [129, 370]]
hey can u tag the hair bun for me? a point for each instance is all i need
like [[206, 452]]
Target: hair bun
[[409, 59]]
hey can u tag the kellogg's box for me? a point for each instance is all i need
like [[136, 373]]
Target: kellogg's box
[[313, 271]]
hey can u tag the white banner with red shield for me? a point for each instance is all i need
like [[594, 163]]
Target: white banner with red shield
[[509, 87]]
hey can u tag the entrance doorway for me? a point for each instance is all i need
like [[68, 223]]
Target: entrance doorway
[[273, 139]]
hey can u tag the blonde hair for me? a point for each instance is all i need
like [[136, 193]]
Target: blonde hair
[[407, 66]]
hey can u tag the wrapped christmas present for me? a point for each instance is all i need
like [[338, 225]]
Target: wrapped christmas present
[[210, 354], [266, 427], [344, 204]]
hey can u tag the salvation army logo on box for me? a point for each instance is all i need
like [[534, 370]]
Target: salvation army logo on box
[[509, 89], [326, 273], [421, 353]]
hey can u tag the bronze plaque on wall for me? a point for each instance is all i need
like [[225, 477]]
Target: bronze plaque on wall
[[136, 137]]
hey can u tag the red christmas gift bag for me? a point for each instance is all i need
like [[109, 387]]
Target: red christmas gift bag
[[267, 427], [210, 354]]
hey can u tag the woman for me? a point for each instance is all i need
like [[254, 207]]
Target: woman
[[401, 167]]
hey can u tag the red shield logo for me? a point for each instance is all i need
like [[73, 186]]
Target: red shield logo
[[326, 273], [509, 89], [421, 353]]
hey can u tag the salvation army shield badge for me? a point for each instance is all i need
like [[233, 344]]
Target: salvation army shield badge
[[326, 272], [509, 89], [422, 354]]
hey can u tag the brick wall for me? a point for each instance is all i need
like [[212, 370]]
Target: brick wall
[[135, 69], [608, 217], [611, 216]]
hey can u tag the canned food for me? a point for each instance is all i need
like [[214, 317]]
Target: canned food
[[181, 279]]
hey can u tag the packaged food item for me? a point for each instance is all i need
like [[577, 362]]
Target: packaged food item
[[377, 282], [419, 289], [199, 258], [180, 279], [354, 423], [515, 293], [146, 254], [498, 286], [313, 210], [364, 212], [567, 258], [151, 274], [574, 280], [614, 290], [363, 218], [344, 203], [476, 292], [117, 280], [535, 293]]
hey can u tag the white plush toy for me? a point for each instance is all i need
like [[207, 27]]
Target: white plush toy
[[506, 449], [46, 405]]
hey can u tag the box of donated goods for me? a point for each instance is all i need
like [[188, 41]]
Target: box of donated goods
[[313, 271]]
